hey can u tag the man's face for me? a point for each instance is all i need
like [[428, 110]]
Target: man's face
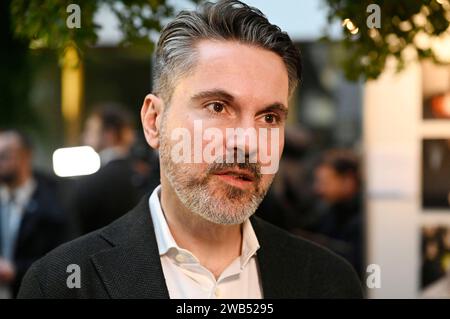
[[231, 86], [332, 187], [12, 157], [92, 134]]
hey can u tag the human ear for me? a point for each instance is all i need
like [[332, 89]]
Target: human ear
[[151, 113]]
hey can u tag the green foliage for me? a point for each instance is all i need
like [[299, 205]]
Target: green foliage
[[404, 24], [44, 22]]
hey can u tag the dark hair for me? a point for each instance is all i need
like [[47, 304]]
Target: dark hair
[[224, 20], [24, 139], [113, 117], [343, 162]]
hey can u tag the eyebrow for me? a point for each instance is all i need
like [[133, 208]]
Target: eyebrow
[[225, 96], [213, 94]]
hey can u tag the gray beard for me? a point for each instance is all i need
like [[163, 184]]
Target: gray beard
[[233, 208], [202, 202]]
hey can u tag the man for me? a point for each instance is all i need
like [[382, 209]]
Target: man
[[224, 66], [109, 130], [31, 220], [337, 183]]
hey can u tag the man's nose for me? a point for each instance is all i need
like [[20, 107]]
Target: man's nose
[[242, 140]]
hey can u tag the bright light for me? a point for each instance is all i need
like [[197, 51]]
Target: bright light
[[75, 161], [350, 26], [344, 23], [441, 46], [354, 31]]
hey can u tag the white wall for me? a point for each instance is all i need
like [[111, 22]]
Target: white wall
[[393, 132]]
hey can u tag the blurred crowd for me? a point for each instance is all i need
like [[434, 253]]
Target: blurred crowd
[[315, 196]]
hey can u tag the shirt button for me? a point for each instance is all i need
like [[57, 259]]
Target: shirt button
[[180, 258], [217, 292]]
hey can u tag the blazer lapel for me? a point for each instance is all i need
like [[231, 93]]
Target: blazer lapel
[[30, 217], [281, 276], [132, 267]]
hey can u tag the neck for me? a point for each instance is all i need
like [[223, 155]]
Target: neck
[[216, 246]]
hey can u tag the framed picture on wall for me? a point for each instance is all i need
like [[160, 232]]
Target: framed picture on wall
[[436, 91], [435, 266], [436, 174]]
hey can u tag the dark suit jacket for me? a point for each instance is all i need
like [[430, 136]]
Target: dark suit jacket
[[43, 227], [103, 197], [122, 261]]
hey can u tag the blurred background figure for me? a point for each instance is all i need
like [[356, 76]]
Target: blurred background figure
[[110, 131], [32, 221], [339, 224], [435, 274], [286, 205], [145, 161], [124, 176]]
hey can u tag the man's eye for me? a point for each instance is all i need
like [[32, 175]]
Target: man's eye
[[216, 107], [270, 118]]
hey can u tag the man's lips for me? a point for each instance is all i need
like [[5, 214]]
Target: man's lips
[[239, 174]]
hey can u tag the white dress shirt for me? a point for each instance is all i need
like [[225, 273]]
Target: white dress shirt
[[187, 278], [13, 205]]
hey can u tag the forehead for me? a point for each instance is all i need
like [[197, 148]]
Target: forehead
[[249, 73], [326, 169], [9, 140]]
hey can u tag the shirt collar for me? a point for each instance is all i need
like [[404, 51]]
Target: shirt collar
[[250, 244], [166, 241], [22, 194], [164, 237]]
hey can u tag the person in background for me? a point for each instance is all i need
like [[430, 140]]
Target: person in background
[[32, 221], [338, 185], [285, 204], [110, 131], [435, 256], [145, 165]]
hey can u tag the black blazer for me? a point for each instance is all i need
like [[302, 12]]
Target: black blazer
[[101, 198], [43, 227], [122, 261]]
